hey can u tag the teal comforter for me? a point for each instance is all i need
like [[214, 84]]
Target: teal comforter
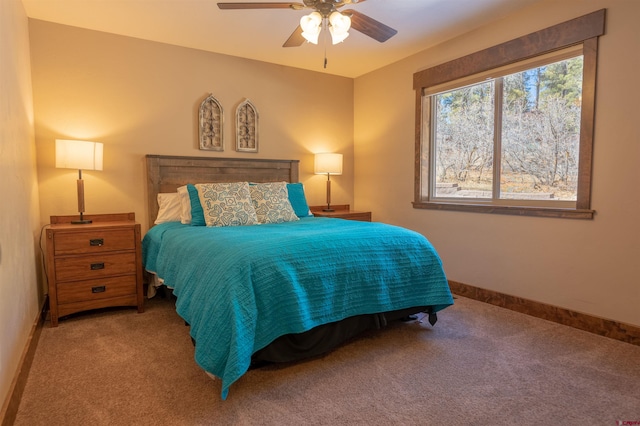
[[240, 288]]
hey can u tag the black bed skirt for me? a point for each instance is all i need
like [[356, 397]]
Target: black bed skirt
[[323, 338], [326, 337]]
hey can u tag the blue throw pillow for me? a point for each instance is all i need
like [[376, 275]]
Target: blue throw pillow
[[197, 214], [298, 200]]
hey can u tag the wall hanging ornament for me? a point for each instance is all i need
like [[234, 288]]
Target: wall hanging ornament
[[246, 127], [210, 125]]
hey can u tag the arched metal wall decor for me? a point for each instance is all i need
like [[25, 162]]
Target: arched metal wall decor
[[210, 125], [246, 127]]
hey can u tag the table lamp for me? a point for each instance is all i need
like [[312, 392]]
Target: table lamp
[[329, 164], [81, 155]]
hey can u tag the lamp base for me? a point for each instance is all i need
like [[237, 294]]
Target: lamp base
[[81, 220], [328, 210]]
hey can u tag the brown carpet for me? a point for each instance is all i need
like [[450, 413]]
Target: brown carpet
[[480, 365]]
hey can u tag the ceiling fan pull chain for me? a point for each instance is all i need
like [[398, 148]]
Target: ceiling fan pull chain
[[324, 41], [325, 55]]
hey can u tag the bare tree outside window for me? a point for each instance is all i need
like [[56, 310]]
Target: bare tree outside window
[[528, 141], [464, 128]]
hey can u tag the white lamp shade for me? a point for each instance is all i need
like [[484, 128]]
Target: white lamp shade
[[80, 155], [310, 25], [328, 163], [339, 28], [337, 36]]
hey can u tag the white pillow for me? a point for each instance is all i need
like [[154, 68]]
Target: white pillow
[[185, 205], [226, 204], [168, 208], [271, 202]]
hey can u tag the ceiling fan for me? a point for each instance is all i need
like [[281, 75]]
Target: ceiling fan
[[325, 13]]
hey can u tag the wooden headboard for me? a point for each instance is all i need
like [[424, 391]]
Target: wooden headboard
[[165, 173]]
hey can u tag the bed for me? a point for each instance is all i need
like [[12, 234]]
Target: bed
[[279, 291]]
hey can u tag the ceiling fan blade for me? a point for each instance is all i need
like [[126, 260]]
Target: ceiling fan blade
[[295, 39], [255, 5], [369, 26]]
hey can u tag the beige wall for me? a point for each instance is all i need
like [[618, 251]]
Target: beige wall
[[587, 266], [139, 97], [19, 214]]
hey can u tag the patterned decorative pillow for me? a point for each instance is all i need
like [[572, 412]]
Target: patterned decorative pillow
[[271, 202], [226, 204]]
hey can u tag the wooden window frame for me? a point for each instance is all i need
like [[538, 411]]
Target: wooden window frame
[[583, 30]]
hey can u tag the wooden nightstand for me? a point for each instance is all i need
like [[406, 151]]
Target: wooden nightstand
[[95, 265], [342, 211]]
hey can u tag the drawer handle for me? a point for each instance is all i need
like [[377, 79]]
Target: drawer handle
[[96, 266], [99, 289], [96, 242]]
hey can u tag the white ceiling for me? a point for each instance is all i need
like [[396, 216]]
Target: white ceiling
[[259, 34]]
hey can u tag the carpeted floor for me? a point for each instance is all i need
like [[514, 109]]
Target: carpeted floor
[[480, 365]]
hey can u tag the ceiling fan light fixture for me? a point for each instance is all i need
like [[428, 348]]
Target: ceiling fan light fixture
[[339, 21], [337, 36], [339, 27], [311, 25]]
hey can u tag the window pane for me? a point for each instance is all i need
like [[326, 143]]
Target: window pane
[[541, 132], [463, 143]]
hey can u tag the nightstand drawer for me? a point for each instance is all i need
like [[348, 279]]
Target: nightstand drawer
[[95, 241], [94, 266], [82, 291]]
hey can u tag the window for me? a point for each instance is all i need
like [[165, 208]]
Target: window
[[509, 129]]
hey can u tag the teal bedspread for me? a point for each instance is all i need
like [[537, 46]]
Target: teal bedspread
[[240, 288]]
